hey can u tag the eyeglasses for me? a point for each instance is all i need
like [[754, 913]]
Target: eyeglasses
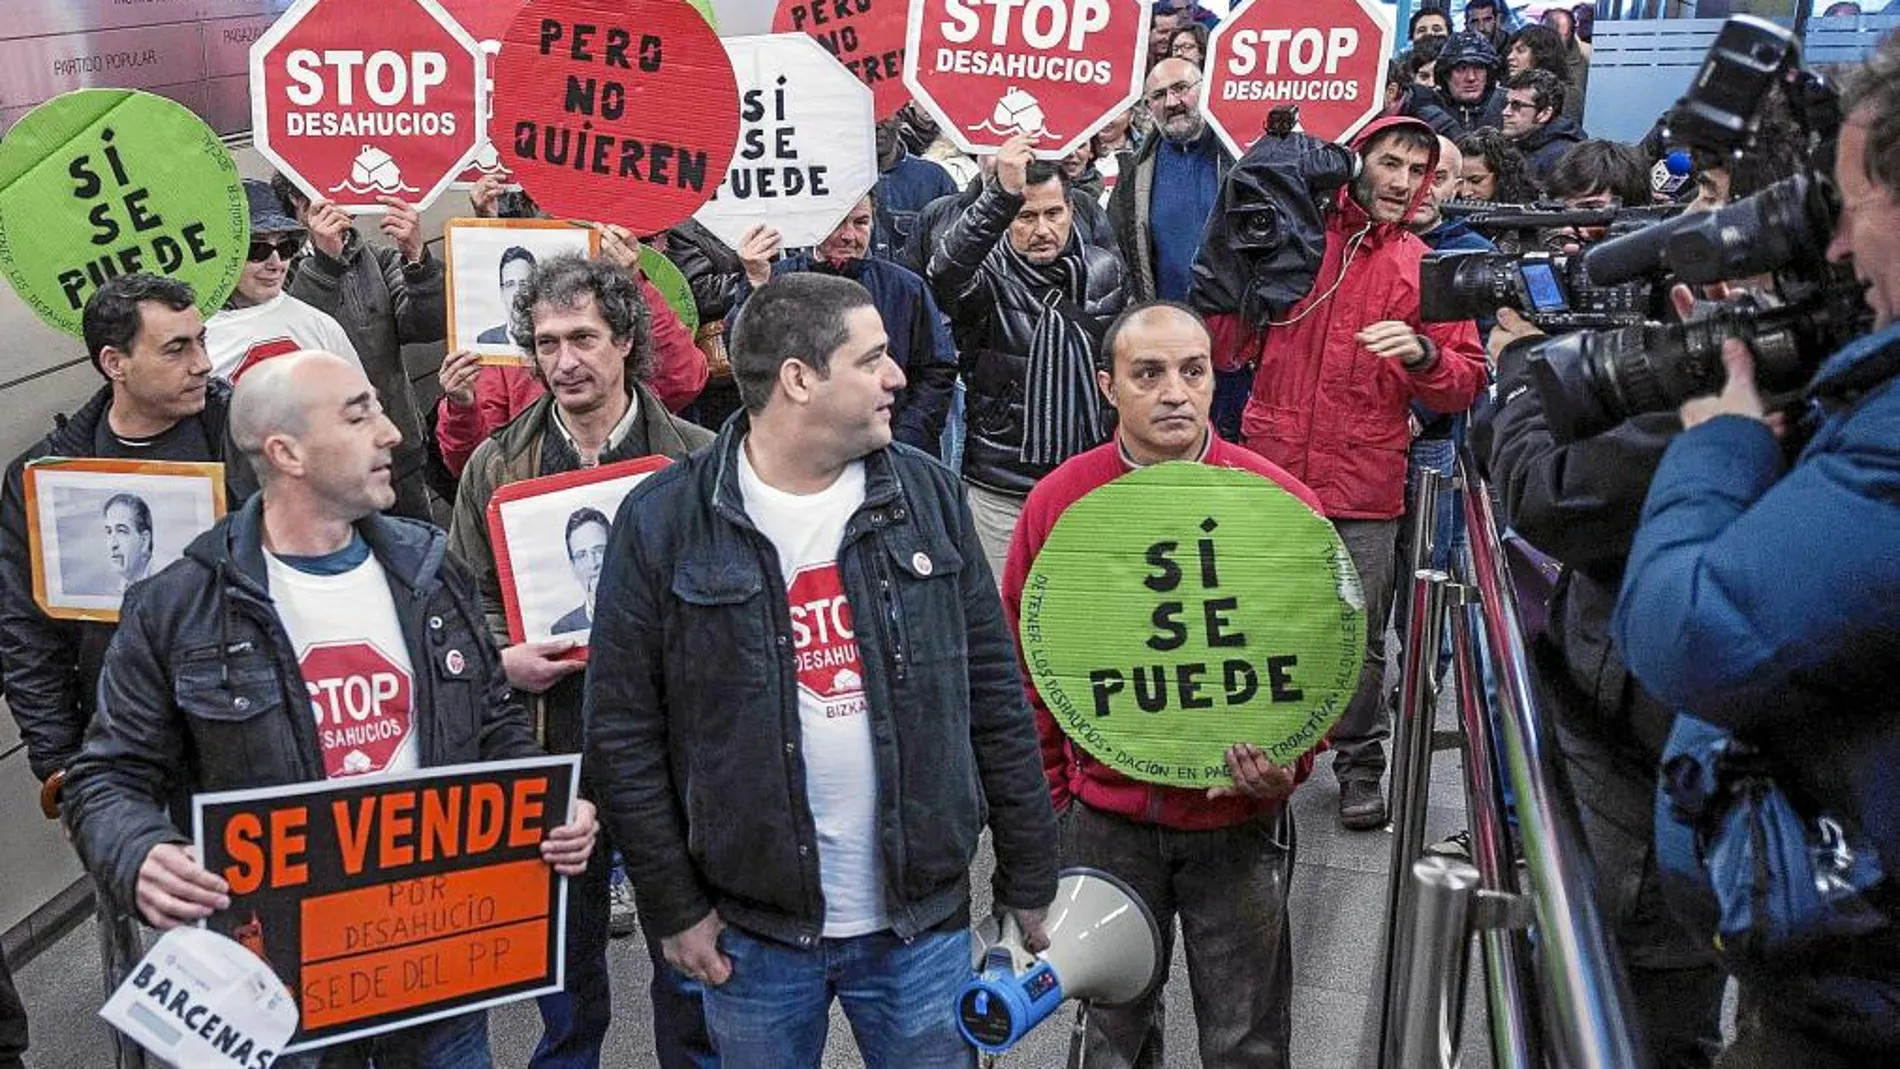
[[1183, 89], [284, 247]]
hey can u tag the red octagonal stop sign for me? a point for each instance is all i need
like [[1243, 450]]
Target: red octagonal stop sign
[[354, 107], [1326, 56], [1057, 69], [362, 702]]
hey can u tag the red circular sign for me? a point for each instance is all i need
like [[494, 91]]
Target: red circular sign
[[1329, 60], [351, 116], [867, 36], [1055, 68], [361, 699], [615, 111]]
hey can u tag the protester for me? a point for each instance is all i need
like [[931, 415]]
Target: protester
[[1330, 402], [1088, 216], [384, 298], [1467, 96], [1762, 599], [1534, 120], [1220, 860], [1161, 26], [478, 400], [919, 337], [1190, 43], [713, 271], [1576, 54], [1538, 47], [199, 691], [831, 821], [1495, 169], [1159, 214], [260, 320], [584, 324], [1085, 181], [923, 137], [1483, 17], [1029, 301], [1428, 22], [905, 184], [1599, 174]]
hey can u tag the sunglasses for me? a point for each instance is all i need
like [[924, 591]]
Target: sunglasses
[[283, 247]]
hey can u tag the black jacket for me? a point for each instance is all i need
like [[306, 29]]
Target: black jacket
[[693, 720], [1455, 120], [52, 666], [1130, 212], [1091, 225], [711, 269], [202, 692], [1544, 146], [1581, 503], [995, 317]]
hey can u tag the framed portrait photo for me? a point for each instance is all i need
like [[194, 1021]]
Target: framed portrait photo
[[95, 527], [550, 539], [486, 261]]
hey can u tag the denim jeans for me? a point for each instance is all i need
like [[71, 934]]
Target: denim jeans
[[1229, 888], [452, 1043], [900, 998], [574, 1021], [680, 1040]]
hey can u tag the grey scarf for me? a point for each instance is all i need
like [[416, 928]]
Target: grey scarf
[[1061, 413]]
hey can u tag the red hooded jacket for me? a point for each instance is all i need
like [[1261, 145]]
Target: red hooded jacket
[[1326, 408]]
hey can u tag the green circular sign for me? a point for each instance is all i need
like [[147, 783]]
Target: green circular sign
[[104, 182], [671, 282], [1184, 608]]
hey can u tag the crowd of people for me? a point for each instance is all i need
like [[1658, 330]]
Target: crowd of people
[[894, 420]]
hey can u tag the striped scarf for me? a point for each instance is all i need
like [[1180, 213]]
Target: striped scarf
[[1061, 413]]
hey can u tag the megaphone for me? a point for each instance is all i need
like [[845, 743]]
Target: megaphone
[[1104, 947]]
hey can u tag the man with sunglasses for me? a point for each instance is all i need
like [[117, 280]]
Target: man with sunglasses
[[259, 320], [1160, 206]]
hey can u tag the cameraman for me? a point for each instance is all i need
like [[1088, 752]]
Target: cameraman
[[1765, 599], [1580, 503]]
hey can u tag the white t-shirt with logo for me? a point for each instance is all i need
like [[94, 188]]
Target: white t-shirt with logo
[[238, 339], [355, 664], [833, 714]]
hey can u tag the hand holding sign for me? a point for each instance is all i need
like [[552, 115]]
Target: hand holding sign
[[756, 250], [1012, 163], [1254, 776], [174, 890], [402, 224], [568, 847], [328, 225]]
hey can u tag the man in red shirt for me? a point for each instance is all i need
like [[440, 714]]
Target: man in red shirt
[[1219, 859]]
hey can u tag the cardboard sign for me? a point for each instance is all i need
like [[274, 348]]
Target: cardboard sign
[[867, 36], [1057, 70], [485, 261], [94, 527], [486, 21], [1184, 608], [807, 143], [672, 284], [615, 111], [351, 112], [104, 182], [1328, 59], [199, 999], [400, 899], [550, 542]]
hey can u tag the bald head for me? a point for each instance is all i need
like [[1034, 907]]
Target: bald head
[[1160, 380], [276, 398], [1443, 187], [1140, 327], [1173, 94]]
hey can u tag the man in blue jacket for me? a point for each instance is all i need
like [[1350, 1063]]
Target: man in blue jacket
[[1764, 598], [803, 706]]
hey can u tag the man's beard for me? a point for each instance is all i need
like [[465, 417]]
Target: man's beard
[[1186, 136]]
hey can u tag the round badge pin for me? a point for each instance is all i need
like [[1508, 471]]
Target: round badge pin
[[921, 563], [455, 662]]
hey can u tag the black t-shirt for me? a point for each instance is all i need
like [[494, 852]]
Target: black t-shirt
[[184, 440]]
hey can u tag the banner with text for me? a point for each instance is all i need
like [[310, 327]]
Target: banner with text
[[1184, 608], [867, 36], [398, 900]]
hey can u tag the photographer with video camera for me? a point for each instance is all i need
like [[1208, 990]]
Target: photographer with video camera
[[1762, 599]]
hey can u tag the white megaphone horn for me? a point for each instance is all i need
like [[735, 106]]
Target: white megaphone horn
[[1104, 947]]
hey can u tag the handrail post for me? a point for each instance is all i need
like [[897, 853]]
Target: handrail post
[[1443, 889], [1411, 784]]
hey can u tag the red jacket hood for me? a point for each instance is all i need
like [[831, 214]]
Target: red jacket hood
[[1352, 214]]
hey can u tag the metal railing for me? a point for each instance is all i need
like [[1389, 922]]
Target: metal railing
[[1563, 1004]]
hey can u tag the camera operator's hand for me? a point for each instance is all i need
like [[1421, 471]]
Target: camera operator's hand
[[1739, 397], [1511, 327]]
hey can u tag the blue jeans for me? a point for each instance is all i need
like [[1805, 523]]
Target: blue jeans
[[453, 1043], [574, 1021], [679, 1015], [899, 997]]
